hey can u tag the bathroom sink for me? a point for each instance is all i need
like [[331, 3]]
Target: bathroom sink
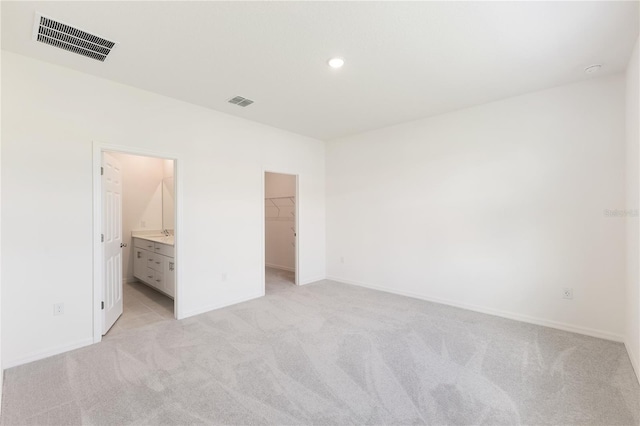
[[166, 239]]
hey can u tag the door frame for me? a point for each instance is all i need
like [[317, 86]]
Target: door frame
[[266, 170], [98, 149]]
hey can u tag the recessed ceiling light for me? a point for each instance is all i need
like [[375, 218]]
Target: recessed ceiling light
[[592, 68], [336, 62]]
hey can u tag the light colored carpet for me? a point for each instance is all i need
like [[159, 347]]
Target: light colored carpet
[[330, 353]]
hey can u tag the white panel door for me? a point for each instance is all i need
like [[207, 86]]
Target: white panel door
[[112, 245]]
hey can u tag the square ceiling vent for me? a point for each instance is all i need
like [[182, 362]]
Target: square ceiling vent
[[240, 101], [72, 39]]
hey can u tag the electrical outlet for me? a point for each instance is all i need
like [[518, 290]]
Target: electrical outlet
[[567, 293], [224, 276], [341, 259], [58, 309]]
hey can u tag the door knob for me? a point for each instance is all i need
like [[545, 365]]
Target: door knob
[[122, 245]]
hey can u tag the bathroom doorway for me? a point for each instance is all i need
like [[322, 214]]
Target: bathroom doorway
[[280, 228], [137, 251]]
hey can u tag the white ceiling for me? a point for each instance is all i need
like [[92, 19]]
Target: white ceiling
[[404, 60]]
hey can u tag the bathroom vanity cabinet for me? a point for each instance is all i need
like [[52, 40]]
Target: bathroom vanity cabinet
[[154, 264]]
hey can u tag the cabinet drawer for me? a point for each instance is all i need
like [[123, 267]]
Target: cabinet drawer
[[149, 256], [154, 278], [138, 243], [157, 263], [163, 249], [158, 280], [148, 276], [143, 244]]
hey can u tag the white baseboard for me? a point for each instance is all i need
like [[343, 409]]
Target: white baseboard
[[213, 307], [311, 280], [496, 312], [634, 360], [282, 268], [48, 352]]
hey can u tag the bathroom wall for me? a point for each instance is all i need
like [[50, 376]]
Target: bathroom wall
[[280, 221], [141, 201]]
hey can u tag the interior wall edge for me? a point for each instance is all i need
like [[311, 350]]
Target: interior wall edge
[[592, 332], [633, 358], [209, 308], [632, 136], [312, 280]]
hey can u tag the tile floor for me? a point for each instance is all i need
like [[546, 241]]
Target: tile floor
[[142, 306]]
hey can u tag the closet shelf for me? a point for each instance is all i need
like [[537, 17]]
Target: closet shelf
[[280, 208]]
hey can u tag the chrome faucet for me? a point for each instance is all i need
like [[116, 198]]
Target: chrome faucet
[[165, 232]]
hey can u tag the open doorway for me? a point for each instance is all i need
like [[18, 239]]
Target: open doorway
[[280, 211], [138, 241]]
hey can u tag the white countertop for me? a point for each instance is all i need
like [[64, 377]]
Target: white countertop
[[157, 238]]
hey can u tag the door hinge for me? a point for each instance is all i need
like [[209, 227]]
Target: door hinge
[[101, 171], [102, 238], [102, 306]]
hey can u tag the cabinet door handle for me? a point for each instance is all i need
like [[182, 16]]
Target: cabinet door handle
[[150, 276], [149, 260], [172, 266], [157, 281], [139, 255], [157, 263]]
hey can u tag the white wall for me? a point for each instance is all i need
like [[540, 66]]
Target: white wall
[[280, 221], [167, 168], [168, 196], [141, 200], [51, 115], [495, 208], [632, 331], [1, 364]]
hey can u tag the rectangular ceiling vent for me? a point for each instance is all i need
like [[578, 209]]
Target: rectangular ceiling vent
[[55, 33], [240, 101]]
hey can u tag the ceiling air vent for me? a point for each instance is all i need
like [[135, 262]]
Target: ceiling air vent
[[240, 101], [55, 33]]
